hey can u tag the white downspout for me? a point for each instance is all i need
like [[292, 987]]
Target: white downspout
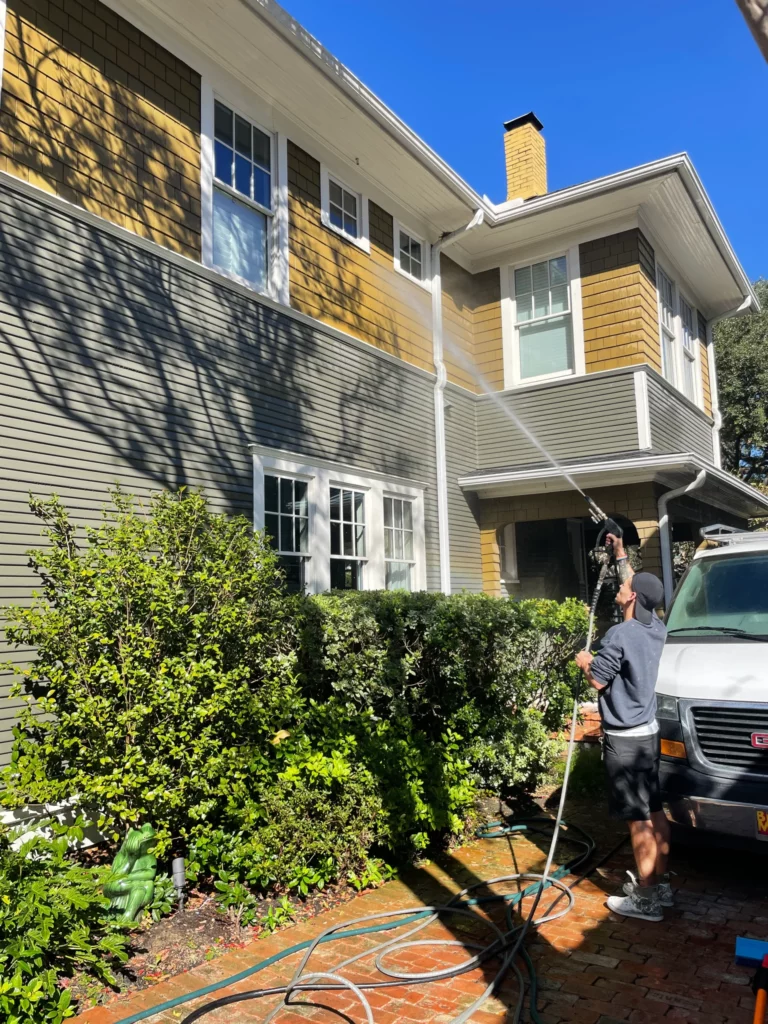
[[443, 538], [716, 415], [665, 537]]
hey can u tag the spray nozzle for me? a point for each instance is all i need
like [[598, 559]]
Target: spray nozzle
[[597, 514]]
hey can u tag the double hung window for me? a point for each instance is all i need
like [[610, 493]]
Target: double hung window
[[543, 319], [398, 543], [286, 520], [343, 209], [242, 197], [667, 323], [688, 328], [347, 538]]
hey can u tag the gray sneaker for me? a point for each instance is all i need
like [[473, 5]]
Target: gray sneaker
[[664, 889], [642, 903]]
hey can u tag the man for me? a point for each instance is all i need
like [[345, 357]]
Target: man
[[624, 674]]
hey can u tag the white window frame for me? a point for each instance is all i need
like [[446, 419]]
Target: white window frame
[[277, 284], [362, 559], [509, 325], [413, 562], [679, 351], [363, 240], [426, 280], [508, 569], [306, 555], [321, 476]]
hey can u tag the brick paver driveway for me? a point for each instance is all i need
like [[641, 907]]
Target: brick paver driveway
[[594, 968]]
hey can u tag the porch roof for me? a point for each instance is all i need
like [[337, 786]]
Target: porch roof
[[720, 488]]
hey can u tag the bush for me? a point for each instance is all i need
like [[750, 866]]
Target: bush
[[52, 924]]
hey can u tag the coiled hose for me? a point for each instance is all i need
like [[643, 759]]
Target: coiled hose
[[504, 944]]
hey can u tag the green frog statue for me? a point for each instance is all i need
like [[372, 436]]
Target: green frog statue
[[130, 884]]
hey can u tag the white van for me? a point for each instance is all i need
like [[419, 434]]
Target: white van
[[712, 690]]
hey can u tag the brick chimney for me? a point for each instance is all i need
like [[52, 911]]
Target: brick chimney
[[526, 157]]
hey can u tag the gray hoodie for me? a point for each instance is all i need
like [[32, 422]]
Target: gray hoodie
[[628, 664]]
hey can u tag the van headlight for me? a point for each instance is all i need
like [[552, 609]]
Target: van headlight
[[667, 707]]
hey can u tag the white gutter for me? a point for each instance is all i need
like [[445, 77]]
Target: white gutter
[[665, 537], [716, 415], [443, 528]]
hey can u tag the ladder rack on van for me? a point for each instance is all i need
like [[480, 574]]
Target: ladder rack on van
[[720, 534]]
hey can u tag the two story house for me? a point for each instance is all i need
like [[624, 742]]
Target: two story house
[[225, 263]]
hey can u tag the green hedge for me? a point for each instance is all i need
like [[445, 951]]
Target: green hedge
[[275, 738]]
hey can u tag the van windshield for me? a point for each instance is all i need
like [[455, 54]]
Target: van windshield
[[729, 593]]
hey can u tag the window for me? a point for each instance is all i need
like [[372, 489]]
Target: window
[[689, 349], [507, 539], [242, 197], [286, 521], [667, 322], [543, 319], [347, 538], [410, 255], [343, 210], [398, 543]]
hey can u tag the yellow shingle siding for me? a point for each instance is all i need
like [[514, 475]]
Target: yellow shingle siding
[[618, 294], [706, 386], [472, 324], [97, 113], [526, 162]]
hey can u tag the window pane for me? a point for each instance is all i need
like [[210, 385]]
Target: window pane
[[540, 304], [239, 239], [407, 515], [346, 506], [294, 572], [559, 295], [262, 149], [286, 533], [300, 492], [346, 575], [335, 539], [272, 526], [360, 540], [387, 511], [557, 271], [350, 225], [398, 543], [398, 576], [337, 217], [389, 546], [271, 486], [286, 495], [350, 204], [398, 510], [348, 547], [243, 137], [546, 347], [540, 272], [335, 503], [262, 187], [668, 356], [222, 120], [690, 380], [359, 507], [223, 156], [243, 175], [301, 534], [334, 191], [404, 240], [408, 545], [523, 281], [524, 307]]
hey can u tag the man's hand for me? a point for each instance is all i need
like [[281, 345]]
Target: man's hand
[[584, 661], [616, 544], [623, 569]]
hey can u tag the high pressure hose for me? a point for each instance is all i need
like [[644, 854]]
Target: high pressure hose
[[505, 943]]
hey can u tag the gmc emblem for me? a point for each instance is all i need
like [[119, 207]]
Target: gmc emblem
[[760, 739]]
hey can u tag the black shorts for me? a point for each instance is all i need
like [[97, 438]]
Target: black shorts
[[632, 766]]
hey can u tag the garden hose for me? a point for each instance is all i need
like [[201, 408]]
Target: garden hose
[[504, 945]]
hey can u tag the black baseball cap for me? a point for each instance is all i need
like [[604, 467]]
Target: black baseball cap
[[649, 595]]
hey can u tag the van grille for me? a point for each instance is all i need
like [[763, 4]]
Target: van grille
[[725, 737]]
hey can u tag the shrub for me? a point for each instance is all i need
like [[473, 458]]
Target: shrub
[[52, 924]]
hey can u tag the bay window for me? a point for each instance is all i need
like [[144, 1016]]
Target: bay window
[[679, 330]]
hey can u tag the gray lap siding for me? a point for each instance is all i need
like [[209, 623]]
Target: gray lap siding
[[119, 364]]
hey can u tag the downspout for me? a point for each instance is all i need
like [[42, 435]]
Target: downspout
[[716, 415], [665, 537], [443, 538]]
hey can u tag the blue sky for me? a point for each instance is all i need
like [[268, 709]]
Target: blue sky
[[615, 84]]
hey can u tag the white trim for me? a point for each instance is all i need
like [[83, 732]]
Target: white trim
[[321, 476], [642, 408], [510, 328], [3, 17], [362, 240], [281, 269], [716, 414], [508, 568], [426, 279], [206, 170]]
